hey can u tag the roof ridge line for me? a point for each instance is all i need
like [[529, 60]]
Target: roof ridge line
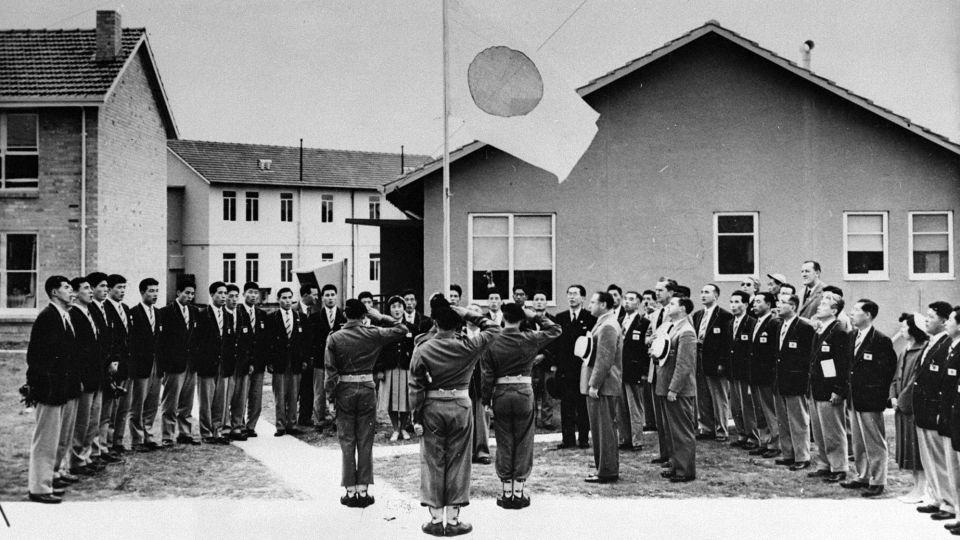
[[295, 147]]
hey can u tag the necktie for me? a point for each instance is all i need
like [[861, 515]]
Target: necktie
[[253, 319], [703, 325], [288, 323], [121, 314], [736, 327], [67, 326], [860, 335], [186, 315], [659, 318], [330, 317], [152, 320], [93, 325], [806, 294], [219, 315], [783, 333]]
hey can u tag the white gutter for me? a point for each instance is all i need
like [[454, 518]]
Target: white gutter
[[83, 191]]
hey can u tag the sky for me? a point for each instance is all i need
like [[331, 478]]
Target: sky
[[367, 74]]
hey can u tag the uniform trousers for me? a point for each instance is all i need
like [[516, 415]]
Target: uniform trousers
[[953, 468], [43, 448], [719, 402], [934, 459], [870, 447], [794, 423], [221, 403], [356, 405], [121, 414], [208, 389], [445, 452], [663, 434], [238, 401], [544, 404], [179, 390], [513, 407], [143, 409], [707, 422], [254, 399], [744, 411], [285, 386], [766, 397], [101, 445], [631, 415], [826, 422], [649, 414], [306, 415], [574, 422], [68, 421], [602, 412], [682, 427], [86, 429], [319, 397], [480, 441]]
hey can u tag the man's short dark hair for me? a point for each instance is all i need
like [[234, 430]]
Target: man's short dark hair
[[795, 300], [54, 282], [683, 291], [232, 287], [146, 283], [833, 289], [216, 285], [283, 291], [787, 286], [115, 279], [581, 288], [512, 313], [493, 292], [686, 303], [742, 295], [816, 265], [365, 294], [615, 287], [251, 285], [535, 293], [354, 309], [408, 292], [519, 288], [635, 293], [77, 282], [605, 298], [306, 289], [457, 288], [328, 287], [768, 298], [96, 278], [869, 306], [648, 292], [941, 308], [184, 281]]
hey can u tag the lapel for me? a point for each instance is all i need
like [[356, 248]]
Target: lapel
[[867, 341], [792, 329]]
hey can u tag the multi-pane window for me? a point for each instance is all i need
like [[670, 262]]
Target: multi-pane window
[[229, 267], [229, 205], [286, 267], [735, 245], [374, 207], [865, 246], [326, 257], [326, 208], [19, 273], [19, 151], [374, 267], [286, 207], [253, 206], [510, 250], [931, 245], [253, 267]]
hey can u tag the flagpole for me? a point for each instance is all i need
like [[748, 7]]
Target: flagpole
[[446, 157]]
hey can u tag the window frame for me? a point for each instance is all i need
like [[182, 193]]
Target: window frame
[[374, 206], [286, 267], [4, 153], [939, 276], [229, 210], [885, 274], [251, 261], [324, 199], [374, 266], [324, 258], [230, 258], [251, 206], [717, 276], [510, 249], [286, 207], [4, 273]]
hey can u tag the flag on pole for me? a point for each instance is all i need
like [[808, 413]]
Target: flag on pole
[[506, 88]]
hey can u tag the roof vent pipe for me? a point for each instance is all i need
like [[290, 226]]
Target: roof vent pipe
[[805, 50]]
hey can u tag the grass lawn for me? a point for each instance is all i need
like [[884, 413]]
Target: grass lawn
[[186, 471], [721, 472]]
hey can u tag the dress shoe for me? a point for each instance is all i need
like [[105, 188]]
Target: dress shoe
[[364, 501], [833, 478], [280, 433], [676, 478], [185, 439], [118, 449], [222, 440], [625, 446], [800, 465], [942, 516], [69, 478], [433, 528], [955, 532], [350, 501], [952, 526], [928, 509], [649, 428], [770, 453], [59, 492], [45, 498], [249, 432], [60, 483], [237, 436], [456, 529], [706, 436], [152, 445], [294, 431], [854, 484], [758, 451], [505, 501], [668, 474], [165, 445], [109, 458], [583, 445], [872, 491], [142, 448], [785, 461], [594, 479], [750, 445], [482, 460], [739, 443], [819, 473], [564, 446], [659, 460], [521, 502], [721, 438], [210, 440]]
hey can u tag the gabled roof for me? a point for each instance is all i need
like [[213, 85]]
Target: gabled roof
[[667, 48], [58, 67], [237, 163]]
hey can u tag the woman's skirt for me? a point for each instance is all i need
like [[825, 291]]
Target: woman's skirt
[[394, 396], [908, 449]]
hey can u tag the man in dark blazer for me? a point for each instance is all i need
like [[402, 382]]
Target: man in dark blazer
[[324, 321], [118, 314], [144, 334], [308, 304], [712, 324], [575, 322], [677, 393], [228, 369], [289, 351], [953, 415], [829, 370], [89, 353], [215, 342], [742, 406], [636, 364], [52, 380], [616, 292], [100, 450], [763, 372], [176, 359], [872, 365], [793, 381], [252, 353]]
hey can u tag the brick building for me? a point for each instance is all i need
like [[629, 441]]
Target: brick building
[[715, 159], [84, 122]]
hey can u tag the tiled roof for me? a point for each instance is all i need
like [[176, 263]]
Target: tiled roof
[[58, 63], [237, 163]]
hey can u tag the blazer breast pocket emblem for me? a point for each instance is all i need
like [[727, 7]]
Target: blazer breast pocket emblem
[[792, 344], [716, 330], [763, 339], [952, 372], [934, 368], [744, 337], [867, 356], [825, 348]]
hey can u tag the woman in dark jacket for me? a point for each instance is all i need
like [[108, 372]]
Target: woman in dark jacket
[[901, 400], [392, 368]]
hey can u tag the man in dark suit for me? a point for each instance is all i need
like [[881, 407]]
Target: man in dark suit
[[575, 322], [252, 352], [763, 372], [741, 400], [119, 316], [89, 353], [872, 364], [616, 292], [215, 343], [143, 367], [793, 381], [545, 405], [953, 415], [812, 291], [677, 393], [289, 352], [176, 359], [228, 370], [308, 304], [636, 364], [712, 324], [325, 321], [100, 450], [52, 380], [829, 370]]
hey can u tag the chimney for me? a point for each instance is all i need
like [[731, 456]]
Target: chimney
[[109, 34], [805, 50]]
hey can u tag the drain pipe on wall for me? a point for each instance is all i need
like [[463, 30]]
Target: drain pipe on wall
[[83, 191]]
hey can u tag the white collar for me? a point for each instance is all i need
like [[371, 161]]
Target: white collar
[[84, 309], [63, 312]]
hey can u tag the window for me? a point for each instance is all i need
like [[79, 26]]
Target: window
[[931, 245], [374, 267], [326, 208], [19, 275], [374, 207], [253, 267], [264, 164], [326, 257], [229, 267], [735, 245], [286, 267], [229, 205], [865, 246], [508, 250], [286, 207], [19, 151], [253, 206]]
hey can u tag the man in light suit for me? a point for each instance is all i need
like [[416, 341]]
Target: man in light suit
[[677, 393], [812, 291], [712, 324], [793, 381], [604, 387]]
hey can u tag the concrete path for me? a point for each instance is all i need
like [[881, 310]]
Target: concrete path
[[316, 472]]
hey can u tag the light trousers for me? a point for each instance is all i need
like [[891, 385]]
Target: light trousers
[[86, 429], [68, 421], [744, 411], [631, 415], [143, 409], [794, 423], [870, 447], [934, 459], [766, 397], [43, 448], [826, 421]]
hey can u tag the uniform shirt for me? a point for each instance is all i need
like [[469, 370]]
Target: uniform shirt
[[66, 318], [513, 351], [354, 349]]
